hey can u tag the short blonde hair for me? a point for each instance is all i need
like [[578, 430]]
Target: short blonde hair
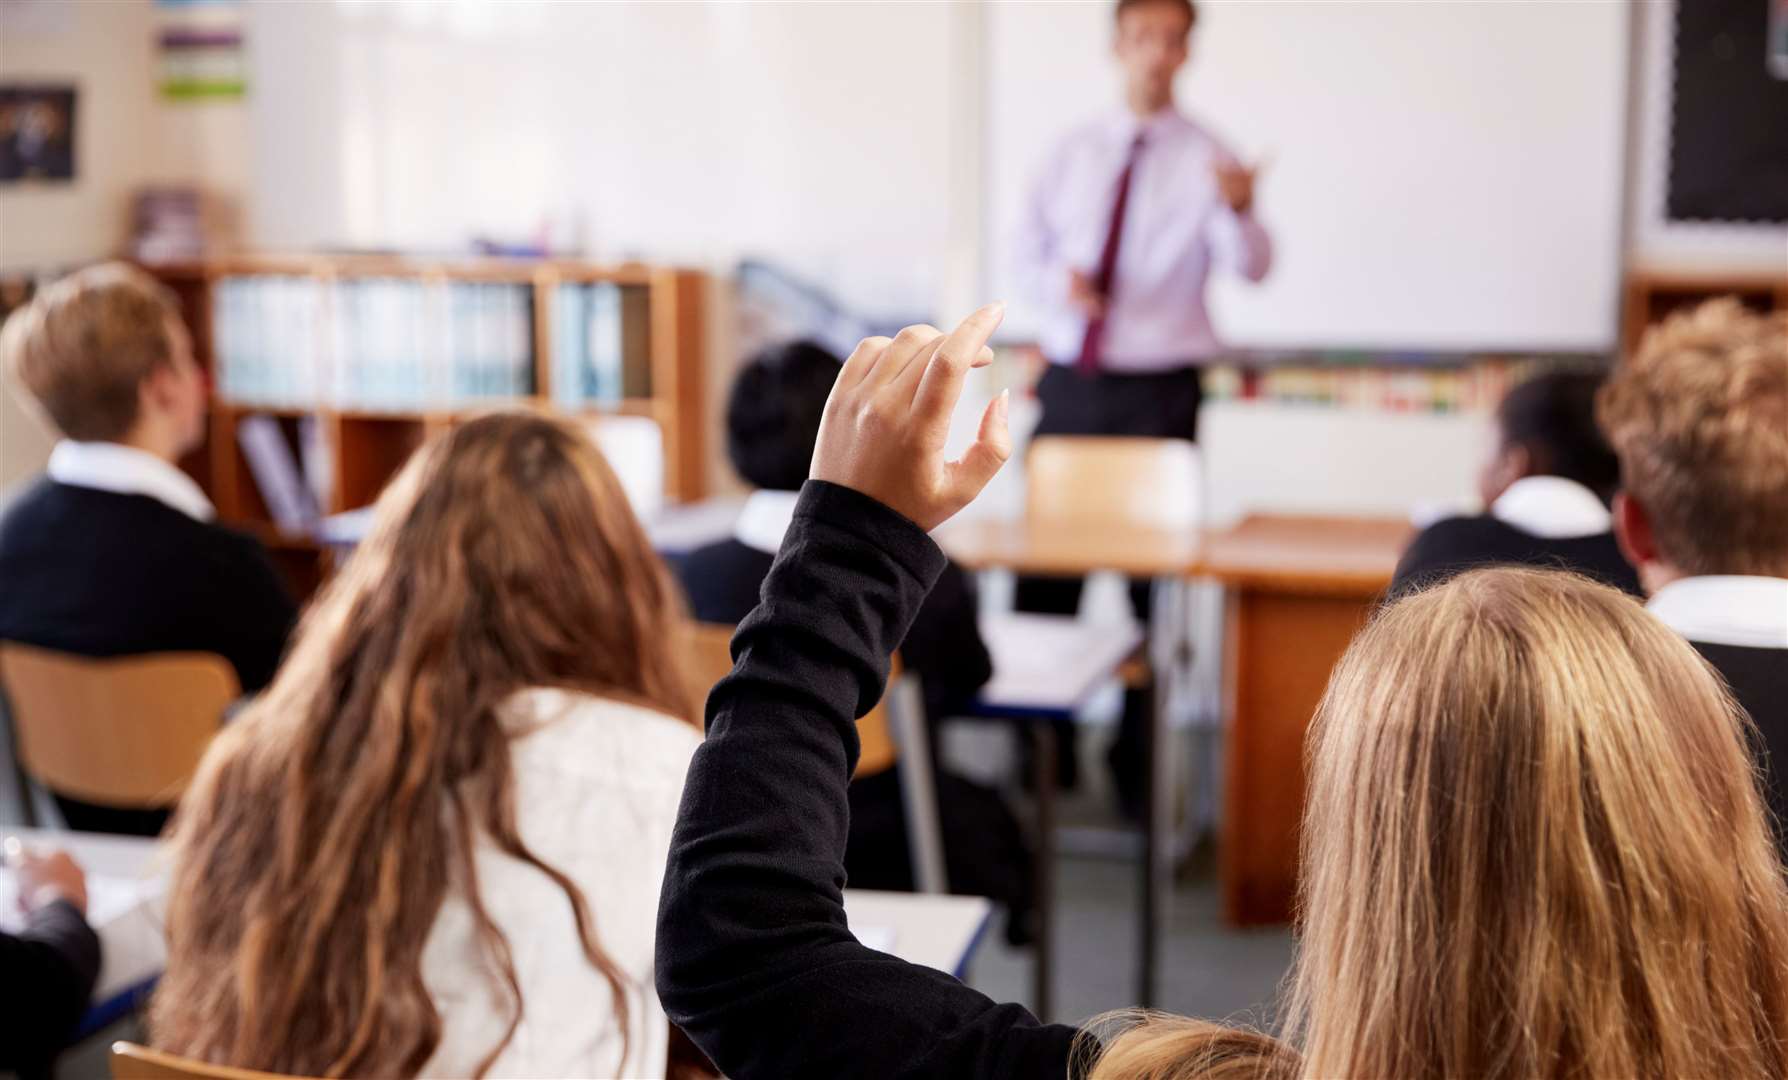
[[83, 346], [1699, 418]]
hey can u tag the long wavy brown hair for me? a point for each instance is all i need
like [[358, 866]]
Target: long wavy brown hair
[[1533, 846], [329, 822]]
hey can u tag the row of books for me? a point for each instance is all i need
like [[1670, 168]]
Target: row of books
[[1470, 387], [601, 343], [372, 343]]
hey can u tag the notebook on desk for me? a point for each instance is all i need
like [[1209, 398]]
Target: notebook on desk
[[126, 913]]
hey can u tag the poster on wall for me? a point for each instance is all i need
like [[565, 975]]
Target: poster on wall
[[1729, 114], [37, 132], [201, 52]]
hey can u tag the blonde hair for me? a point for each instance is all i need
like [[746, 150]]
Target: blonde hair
[[1699, 418], [327, 824], [83, 346], [1533, 845]]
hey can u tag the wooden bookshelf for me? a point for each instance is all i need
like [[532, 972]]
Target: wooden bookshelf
[[367, 444], [1649, 296]]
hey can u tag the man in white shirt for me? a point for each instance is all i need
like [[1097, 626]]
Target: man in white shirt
[[1124, 226], [1125, 223], [1699, 418]]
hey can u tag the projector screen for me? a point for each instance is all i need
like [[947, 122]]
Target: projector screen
[[1439, 176]]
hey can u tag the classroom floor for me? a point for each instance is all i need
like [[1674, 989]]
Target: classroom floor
[[1207, 969]]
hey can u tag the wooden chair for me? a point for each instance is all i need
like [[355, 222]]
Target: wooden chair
[[133, 1062], [1114, 482], [126, 732], [901, 710]]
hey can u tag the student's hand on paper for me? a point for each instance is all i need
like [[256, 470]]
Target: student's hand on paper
[[1085, 296], [885, 423], [46, 876], [1235, 183]]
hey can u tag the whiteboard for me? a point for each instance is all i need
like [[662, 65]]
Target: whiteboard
[[1442, 175]]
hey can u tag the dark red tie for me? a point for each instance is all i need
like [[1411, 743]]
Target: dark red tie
[[1088, 364]]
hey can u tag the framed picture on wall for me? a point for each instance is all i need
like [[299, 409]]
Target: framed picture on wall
[[37, 132]]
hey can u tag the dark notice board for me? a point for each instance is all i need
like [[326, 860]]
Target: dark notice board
[[1729, 120]]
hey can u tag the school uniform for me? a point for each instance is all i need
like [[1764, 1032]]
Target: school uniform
[[114, 552], [756, 962], [47, 974], [1740, 625], [596, 784], [1544, 521], [984, 852]]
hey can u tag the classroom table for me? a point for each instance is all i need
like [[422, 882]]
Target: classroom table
[[126, 889], [1297, 589], [1045, 667], [1030, 546]]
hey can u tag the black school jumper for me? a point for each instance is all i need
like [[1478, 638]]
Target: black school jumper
[[1457, 544], [1759, 680], [755, 961], [99, 573], [46, 975]]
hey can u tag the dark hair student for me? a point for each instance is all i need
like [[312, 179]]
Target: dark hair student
[[1479, 821]]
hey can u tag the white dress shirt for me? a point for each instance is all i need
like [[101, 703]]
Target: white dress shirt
[[125, 470], [1726, 609], [1552, 507], [597, 784], [764, 519], [1176, 229]]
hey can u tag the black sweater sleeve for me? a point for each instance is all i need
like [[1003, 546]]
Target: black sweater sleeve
[[46, 975], [755, 961]]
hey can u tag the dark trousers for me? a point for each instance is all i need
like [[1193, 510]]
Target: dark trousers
[[1161, 406]]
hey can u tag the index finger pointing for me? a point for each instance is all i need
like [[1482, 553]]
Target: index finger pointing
[[941, 384]]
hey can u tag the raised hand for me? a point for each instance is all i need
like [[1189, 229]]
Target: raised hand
[[886, 421], [1235, 183]]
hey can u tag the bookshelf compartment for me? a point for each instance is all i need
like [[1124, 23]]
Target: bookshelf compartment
[[369, 452], [601, 344]]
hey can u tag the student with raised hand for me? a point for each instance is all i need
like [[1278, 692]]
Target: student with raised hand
[[1546, 490], [772, 422], [434, 846], [115, 551], [47, 971], [1699, 418], [1532, 842]]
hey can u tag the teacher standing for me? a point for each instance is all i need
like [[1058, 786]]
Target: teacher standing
[[1124, 226]]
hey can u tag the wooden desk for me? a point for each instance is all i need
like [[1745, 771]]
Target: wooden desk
[[1299, 589], [1069, 550]]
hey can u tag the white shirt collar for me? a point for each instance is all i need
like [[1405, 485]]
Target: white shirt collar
[[1552, 507], [1726, 609], [125, 470], [765, 517]]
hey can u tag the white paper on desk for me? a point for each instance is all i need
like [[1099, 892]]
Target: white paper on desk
[[879, 938]]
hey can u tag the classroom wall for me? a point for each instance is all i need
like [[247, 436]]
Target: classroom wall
[[105, 50]]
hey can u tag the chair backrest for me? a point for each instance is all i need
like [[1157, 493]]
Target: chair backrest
[[1110, 482], [710, 658], [133, 1062], [126, 731]]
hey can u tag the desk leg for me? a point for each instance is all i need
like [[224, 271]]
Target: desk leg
[[1157, 823], [1043, 965]]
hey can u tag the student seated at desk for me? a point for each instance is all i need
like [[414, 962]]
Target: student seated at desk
[[47, 971], [1547, 487], [434, 846], [1699, 417], [114, 551], [772, 419], [1534, 844]]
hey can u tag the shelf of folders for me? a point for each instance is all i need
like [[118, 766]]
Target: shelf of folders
[[1383, 380], [330, 369]]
